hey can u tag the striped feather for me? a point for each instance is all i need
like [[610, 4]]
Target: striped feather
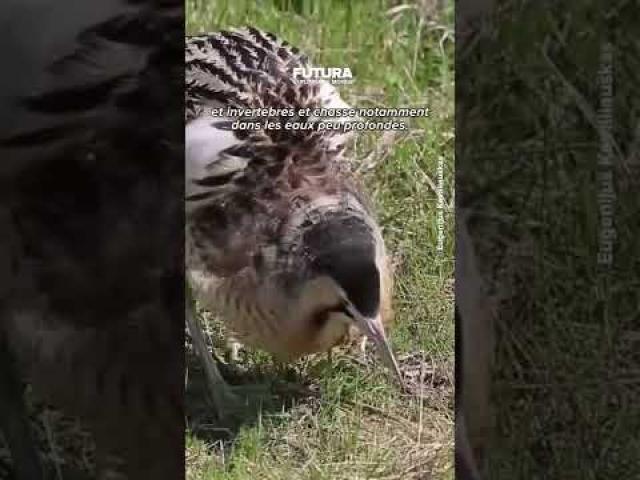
[[250, 69]]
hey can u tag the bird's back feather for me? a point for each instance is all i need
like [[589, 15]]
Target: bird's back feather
[[261, 201], [241, 182]]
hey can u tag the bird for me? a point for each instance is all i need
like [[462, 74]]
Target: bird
[[282, 241], [91, 210]]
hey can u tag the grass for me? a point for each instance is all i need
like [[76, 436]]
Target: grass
[[347, 421]]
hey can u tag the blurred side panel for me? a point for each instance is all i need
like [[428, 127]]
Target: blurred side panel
[[91, 250], [547, 172]]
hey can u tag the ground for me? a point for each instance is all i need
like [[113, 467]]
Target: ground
[[345, 419]]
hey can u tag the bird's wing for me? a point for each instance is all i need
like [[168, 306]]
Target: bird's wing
[[247, 69], [241, 182], [222, 67]]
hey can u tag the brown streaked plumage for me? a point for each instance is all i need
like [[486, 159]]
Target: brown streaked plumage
[[281, 240]]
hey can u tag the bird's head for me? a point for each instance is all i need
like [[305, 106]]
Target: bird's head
[[347, 285]]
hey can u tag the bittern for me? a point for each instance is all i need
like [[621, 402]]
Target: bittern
[[281, 240]]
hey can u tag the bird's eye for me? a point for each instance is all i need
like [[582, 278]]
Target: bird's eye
[[321, 317], [344, 309]]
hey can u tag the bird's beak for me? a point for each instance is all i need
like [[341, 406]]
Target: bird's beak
[[372, 328]]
